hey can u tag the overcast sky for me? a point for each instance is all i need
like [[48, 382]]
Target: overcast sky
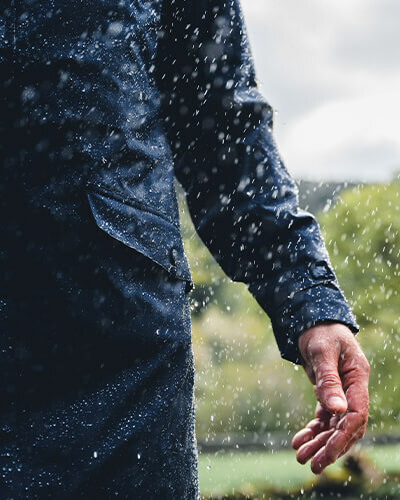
[[331, 71]]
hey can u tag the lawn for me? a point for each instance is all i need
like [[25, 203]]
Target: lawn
[[227, 473]]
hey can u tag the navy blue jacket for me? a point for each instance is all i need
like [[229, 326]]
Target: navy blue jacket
[[101, 105], [241, 197]]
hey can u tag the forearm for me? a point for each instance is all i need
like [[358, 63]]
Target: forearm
[[242, 199]]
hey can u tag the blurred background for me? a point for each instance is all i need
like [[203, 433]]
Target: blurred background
[[331, 72]]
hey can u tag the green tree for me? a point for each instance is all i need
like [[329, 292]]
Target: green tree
[[362, 232], [242, 385]]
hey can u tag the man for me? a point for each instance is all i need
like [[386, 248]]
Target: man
[[101, 103]]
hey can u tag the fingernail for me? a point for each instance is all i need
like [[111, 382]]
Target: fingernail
[[335, 402]]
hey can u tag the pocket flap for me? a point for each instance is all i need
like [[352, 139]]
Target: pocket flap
[[144, 231]]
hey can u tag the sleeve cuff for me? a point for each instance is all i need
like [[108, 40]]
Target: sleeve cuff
[[293, 309], [309, 307]]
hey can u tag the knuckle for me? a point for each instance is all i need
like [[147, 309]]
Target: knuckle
[[317, 347], [329, 380]]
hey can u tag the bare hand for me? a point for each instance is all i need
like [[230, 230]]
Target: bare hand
[[339, 371]]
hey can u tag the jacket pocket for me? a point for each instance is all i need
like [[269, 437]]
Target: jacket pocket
[[142, 230]]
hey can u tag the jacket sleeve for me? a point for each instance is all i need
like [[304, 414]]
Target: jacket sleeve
[[241, 198]]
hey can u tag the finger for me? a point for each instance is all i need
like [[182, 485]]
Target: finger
[[355, 375], [328, 388], [355, 382], [311, 430], [308, 450], [322, 413], [322, 422], [347, 430], [321, 352], [358, 436], [323, 356], [302, 437]]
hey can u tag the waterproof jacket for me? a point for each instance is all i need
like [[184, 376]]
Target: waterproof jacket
[[242, 200], [101, 105], [120, 68]]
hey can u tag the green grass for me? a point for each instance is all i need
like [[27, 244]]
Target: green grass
[[227, 473], [385, 458]]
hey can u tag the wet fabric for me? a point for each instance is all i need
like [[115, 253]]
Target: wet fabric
[[101, 105], [101, 403]]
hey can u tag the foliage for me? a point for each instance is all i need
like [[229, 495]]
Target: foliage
[[362, 233], [242, 385]]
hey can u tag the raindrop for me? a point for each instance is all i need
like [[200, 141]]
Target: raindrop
[[114, 29]]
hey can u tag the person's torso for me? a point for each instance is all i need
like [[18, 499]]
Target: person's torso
[[82, 140], [93, 276], [86, 173]]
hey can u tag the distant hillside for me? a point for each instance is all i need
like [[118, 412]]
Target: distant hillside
[[319, 196]]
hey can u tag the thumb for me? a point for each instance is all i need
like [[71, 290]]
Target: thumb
[[328, 386]]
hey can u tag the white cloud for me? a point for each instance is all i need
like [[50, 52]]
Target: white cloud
[[352, 138], [331, 69]]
